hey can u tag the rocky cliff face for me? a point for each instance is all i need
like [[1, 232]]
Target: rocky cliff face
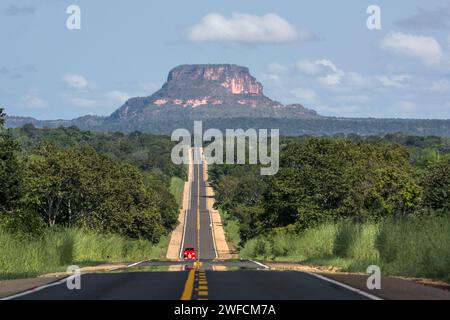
[[208, 87], [236, 79]]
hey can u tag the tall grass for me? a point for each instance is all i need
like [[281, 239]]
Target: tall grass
[[176, 189], [59, 248], [231, 228], [409, 247]]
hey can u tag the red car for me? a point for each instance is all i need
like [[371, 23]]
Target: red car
[[189, 253]]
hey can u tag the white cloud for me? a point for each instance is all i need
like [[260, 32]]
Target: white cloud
[[245, 28], [328, 64], [117, 96], [308, 67], [75, 81], [330, 74], [275, 72], [317, 67], [305, 94], [33, 101], [331, 80], [424, 48], [393, 80], [356, 79], [276, 68]]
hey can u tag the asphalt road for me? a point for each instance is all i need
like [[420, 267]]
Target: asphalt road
[[206, 278], [198, 232], [233, 285]]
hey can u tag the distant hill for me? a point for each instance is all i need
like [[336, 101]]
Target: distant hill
[[208, 91], [228, 96]]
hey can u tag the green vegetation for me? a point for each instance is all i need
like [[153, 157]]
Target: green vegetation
[[346, 201], [77, 197], [231, 228], [157, 122], [176, 189], [58, 248], [73, 197], [408, 247]]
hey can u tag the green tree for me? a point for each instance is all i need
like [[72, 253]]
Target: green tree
[[336, 178], [80, 187], [436, 184], [10, 169]]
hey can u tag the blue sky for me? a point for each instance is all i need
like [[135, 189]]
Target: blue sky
[[318, 53]]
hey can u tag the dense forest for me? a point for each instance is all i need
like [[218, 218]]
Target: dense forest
[[323, 126], [110, 183], [335, 178], [345, 201]]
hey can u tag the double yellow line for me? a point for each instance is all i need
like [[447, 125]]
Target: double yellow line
[[196, 276], [198, 212]]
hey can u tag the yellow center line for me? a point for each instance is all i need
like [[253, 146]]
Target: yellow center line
[[189, 286], [201, 276], [198, 211]]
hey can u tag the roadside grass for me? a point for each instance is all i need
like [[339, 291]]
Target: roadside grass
[[59, 248], [176, 189], [407, 247], [231, 228]]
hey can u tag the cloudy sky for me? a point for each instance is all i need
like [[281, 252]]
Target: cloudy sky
[[318, 53]]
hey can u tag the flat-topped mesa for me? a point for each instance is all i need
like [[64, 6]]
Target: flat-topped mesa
[[215, 90], [235, 78]]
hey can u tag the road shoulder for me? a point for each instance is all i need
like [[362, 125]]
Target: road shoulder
[[392, 288], [176, 238], [11, 287], [222, 248]]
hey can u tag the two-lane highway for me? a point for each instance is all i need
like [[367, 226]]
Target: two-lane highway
[[198, 232], [236, 280], [243, 280]]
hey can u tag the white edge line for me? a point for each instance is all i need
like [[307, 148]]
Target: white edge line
[[363, 293], [136, 263], [58, 282], [33, 290], [61, 281], [259, 264], [213, 235], [188, 208], [184, 234], [210, 214], [128, 266], [190, 181]]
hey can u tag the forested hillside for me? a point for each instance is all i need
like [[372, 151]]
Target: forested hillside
[[169, 120]]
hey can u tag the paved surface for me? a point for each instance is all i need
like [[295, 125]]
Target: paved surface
[[243, 280], [198, 232], [176, 238], [238, 280], [118, 286], [250, 284]]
